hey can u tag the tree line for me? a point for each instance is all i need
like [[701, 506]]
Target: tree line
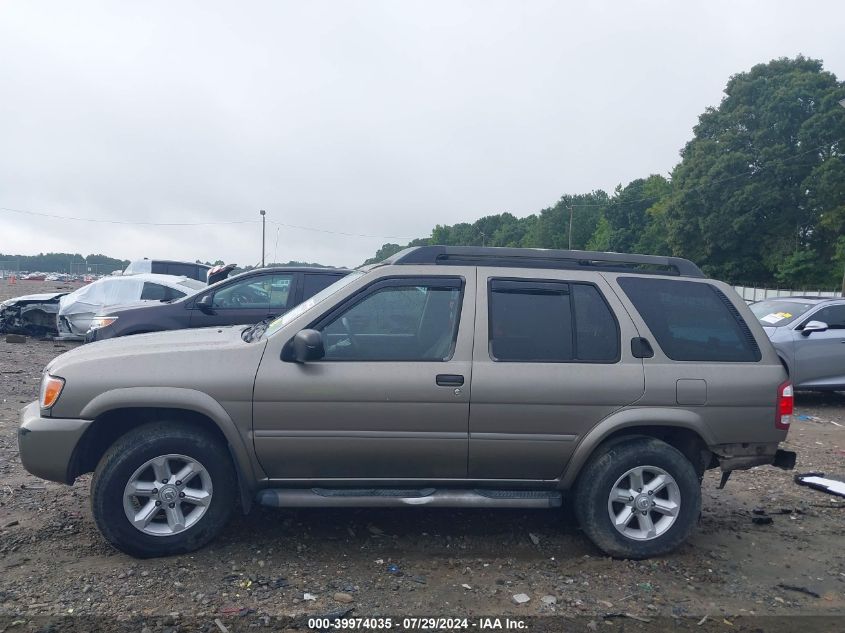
[[758, 196], [62, 263]]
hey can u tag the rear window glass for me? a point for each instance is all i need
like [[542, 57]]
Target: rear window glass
[[775, 313], [691, 321]]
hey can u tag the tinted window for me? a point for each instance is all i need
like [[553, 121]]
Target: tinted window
[[550, 321], [180, 270], [397, 322], [691, 321], [834, 316], [596, 331], [153, 292], [314, 283]]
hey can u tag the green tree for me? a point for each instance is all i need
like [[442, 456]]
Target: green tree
[[758, 193], [634, 217]]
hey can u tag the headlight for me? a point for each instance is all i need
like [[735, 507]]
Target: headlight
[[101, 321], [51, 389]]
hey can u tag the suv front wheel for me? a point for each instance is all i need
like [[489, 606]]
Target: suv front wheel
[[638, 498], [163, 488]]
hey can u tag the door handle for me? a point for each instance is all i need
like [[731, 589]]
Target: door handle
[[449, 380]]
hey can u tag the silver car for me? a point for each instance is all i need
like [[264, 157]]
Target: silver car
[[809, 336]]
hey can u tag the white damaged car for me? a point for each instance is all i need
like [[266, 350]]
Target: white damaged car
[[78, 309]]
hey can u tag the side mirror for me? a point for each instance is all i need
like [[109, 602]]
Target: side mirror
[[204, 304], [308, 346], [814, 326]]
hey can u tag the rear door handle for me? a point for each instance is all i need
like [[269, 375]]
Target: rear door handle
[[450, 380]]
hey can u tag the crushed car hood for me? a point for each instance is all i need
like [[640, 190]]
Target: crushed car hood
[[38, 298], [31, 315]]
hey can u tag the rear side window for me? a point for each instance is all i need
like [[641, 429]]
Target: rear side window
[[550, 321], [691, 321], [153, 292], [315, 282], [157, 292]]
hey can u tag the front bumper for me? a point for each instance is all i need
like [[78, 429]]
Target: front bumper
[[46, 445]]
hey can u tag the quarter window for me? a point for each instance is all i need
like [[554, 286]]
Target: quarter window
[[397, 322], [157, 292], [692, 320], [550, 321]]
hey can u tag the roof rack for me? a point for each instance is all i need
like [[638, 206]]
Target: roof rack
[[546, 258]]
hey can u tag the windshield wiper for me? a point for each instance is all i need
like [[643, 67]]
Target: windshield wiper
[[255, 331]]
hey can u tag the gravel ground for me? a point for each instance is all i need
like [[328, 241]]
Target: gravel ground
[[467, 563]]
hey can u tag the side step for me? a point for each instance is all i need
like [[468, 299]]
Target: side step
[[388, 497]]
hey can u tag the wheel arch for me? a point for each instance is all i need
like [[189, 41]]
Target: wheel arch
[[114, 414], [682, 429]]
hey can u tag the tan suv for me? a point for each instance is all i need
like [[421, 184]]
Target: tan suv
[[444, 376]]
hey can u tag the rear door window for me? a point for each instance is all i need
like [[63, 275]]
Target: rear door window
[[550, 321], [691, 320], [315, 282]]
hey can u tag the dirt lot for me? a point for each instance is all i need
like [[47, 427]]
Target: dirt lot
[[467, 563]]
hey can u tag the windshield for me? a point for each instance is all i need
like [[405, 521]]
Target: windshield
[[777, 312], [303, 307]]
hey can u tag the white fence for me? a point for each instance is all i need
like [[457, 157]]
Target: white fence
[[751, 293]]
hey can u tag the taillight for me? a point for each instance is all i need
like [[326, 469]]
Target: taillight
[[785, 406]]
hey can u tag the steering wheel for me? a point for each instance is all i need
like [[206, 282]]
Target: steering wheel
[[239, 299], [353, 340]]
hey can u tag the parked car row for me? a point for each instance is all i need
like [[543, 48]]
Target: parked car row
[[244, 299], [444, 376], [135, 302]]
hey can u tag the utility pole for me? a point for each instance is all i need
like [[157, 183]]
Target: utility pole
[[263, 227], [842, 103], [570, 227]]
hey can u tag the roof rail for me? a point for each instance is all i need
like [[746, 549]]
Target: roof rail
[[546, 258]]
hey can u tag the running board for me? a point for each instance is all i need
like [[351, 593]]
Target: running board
[[388, 497]]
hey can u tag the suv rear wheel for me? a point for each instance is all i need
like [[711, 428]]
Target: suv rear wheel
[[638, 498], [163, 488]]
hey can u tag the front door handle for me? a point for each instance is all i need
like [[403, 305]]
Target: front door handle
[[450, 380]]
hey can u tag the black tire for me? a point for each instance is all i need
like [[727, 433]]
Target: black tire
[[129, 453], [601, 473]]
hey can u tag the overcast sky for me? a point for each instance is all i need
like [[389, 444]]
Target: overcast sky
[[372, 118]]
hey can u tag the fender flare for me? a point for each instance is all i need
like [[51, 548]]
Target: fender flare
[[189, 400], [630, 418]]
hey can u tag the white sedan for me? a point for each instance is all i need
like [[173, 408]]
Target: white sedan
[[77, 309]]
